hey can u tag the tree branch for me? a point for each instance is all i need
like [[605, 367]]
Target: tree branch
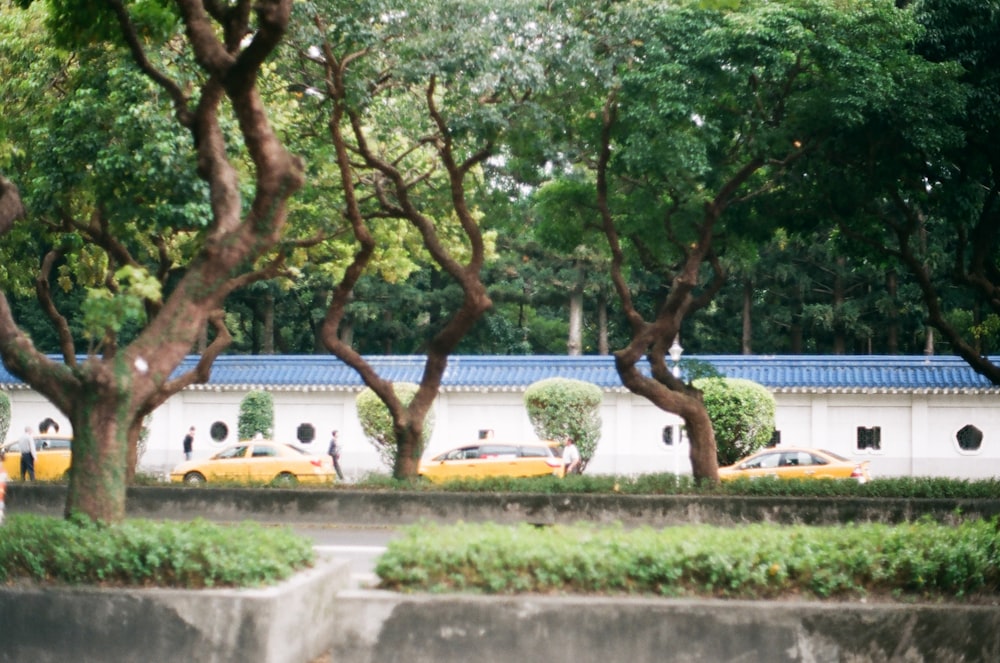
[[59, 322], [201, 373], [175, 92]]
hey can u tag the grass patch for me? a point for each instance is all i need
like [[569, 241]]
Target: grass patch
[[144, 553], [921, 560]]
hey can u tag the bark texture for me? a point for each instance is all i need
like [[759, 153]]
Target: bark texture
[[106, 395]]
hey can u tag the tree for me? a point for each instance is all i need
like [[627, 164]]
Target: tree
[[418, 102], [914, 178], [203, 64], [694, 115], [561, 409]]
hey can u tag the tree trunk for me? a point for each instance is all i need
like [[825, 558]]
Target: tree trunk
[[701, 435], [387, 318], [603, 345], [892, 324], [747, 320], [321, 295], [98, 474], [683, 400], [574, 344], [409, 447], [346, 333], [267, 324], [839, 333]]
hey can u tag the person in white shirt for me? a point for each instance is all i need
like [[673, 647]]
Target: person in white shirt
[[26, 445], [571, 457]]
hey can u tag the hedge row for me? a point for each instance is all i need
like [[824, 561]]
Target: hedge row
[[920, 560], [149, 554]]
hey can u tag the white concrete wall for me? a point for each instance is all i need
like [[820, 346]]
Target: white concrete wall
[[917, 430]]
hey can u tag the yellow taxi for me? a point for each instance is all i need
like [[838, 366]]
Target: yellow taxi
[[52, 460], [257, 461], [794, 463], [490, 459]]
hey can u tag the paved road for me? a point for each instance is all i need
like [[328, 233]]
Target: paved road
[[361, 545]]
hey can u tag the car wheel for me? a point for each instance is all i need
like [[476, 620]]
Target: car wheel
[[285, 479], [194, 477]]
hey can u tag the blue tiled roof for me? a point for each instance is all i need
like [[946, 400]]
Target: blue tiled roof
[[470, 372]]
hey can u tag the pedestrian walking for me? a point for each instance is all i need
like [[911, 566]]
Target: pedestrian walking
[[571, 457], [189, 443], [334, 452], [26, 444]]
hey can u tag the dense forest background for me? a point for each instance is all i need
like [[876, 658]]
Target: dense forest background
[[801, 286], [798, 297]]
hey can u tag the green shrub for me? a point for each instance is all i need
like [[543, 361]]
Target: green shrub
[[742, 414], [150, 554], [256, 415], [376, 422], [560, 408], [922, 560]]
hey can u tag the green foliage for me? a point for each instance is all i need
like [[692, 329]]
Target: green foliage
[[4, 415], [106, 312], [376, 422], [256, 415], [190, 554], [742, 414], [922, 560], [81, 22], [560, 408]]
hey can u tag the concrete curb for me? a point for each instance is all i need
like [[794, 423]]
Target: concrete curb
[[287, 623], [382, 627], [393, 508]]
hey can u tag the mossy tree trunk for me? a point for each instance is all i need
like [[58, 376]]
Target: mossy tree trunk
[[107, 395]]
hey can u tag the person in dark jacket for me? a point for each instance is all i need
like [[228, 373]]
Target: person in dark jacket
[[189, 443], [334, 452]]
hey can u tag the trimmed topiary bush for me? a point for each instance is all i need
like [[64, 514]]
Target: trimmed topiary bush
[[742, 414], [560, 408], [256, 415], [376, 423]]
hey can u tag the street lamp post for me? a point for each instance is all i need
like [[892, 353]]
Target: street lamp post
[[675, 356]]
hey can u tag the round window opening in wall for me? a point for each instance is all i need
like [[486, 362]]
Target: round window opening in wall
[[969, 438], [219, 431], [306, 433]]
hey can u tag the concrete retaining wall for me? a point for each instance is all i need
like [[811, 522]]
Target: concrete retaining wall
[[356, 626], [288, 623], [380, 627], [393, 508]]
